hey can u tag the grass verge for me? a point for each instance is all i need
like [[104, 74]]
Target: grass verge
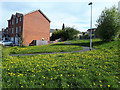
[[91, 69], [58, 47]]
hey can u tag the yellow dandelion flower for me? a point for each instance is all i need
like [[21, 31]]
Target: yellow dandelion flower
[[108, 85], [90, 85]]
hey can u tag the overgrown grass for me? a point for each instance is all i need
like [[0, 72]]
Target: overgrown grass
[[58, 47], [91, 69]]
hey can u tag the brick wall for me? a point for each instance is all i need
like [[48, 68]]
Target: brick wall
[[35, 27]]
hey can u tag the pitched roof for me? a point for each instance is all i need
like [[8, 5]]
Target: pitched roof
[[92, 29], [20, 14], [41, 13], [44, 15], [17, 14], [52, 30]]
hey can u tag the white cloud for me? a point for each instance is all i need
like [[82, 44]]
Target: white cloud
[[73, 13]]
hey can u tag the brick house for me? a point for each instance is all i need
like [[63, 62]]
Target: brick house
[[29, 27], [5, 35]]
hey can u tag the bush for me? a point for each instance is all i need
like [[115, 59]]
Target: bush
[[108, 24], [66, 34]]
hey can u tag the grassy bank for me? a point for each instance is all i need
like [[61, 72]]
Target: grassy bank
[[58, 47], [91, 69]]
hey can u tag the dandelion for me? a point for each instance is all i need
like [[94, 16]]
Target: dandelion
[[21, 86], [43, 84], [90, 85], [51, 78], [100, 85], [108, 85]]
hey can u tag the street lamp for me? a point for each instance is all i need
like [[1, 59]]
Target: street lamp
[[91, 27]]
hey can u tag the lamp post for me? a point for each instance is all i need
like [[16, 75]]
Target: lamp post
[[91, 27]]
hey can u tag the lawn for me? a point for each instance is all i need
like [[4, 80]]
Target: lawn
[[91, 69], [58, 47]]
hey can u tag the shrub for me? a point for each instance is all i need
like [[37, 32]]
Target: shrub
[[108, 24]]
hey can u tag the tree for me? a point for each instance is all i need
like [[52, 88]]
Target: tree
[[63, 27], [108, 24], [70, 33], [67, 34]]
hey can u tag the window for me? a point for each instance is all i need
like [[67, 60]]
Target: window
[[12, 30], [9, 30], [20, 19], [12, 22], [16, 20], [16, 30], [19, 28]]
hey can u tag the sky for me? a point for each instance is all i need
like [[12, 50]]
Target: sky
[[73, 13]]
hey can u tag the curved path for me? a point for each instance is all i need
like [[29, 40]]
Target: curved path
[[83, 50]]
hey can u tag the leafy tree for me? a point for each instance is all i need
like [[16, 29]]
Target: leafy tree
[[108, 24], [63, 27], [70, 33], [67, 34]]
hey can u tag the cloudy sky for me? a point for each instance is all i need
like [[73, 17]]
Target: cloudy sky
[[73, 13]]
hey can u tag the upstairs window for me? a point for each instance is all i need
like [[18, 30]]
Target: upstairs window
[[16, 30], [16, 20], [19, 28], [12, 30], [20, 19], [9, 30]]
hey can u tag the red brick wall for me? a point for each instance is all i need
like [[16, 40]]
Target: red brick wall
[[35, 27], [10, 26]]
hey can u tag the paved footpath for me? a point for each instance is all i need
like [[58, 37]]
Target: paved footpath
[[83, 50]]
